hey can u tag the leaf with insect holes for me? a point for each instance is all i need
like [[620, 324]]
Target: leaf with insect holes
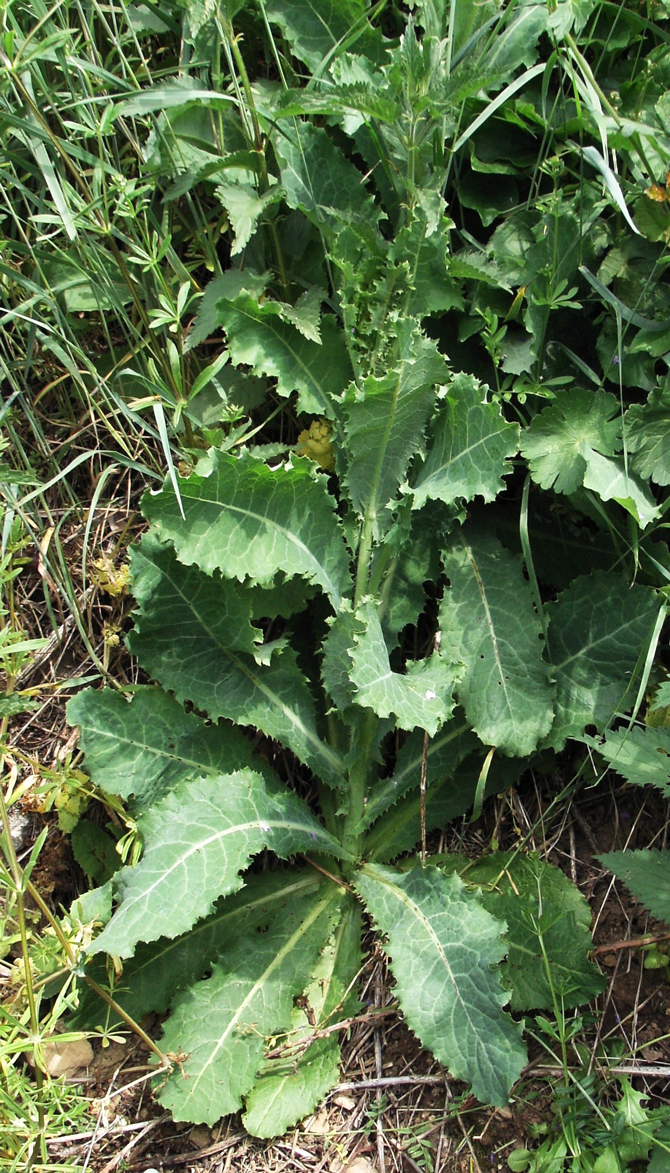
[[646, 874], [250, 521], [597, 628], [422, 696], [444, 947], [193, 634], [220, 1024], [197, 841], [470, 449], [492, 637], [288, 1088]]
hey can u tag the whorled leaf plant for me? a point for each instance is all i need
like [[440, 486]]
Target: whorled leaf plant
[[292, 715]]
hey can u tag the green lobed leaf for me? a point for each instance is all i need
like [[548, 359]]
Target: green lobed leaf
[[597, 629], [221, 1023], [443, 947], [470, 449], [319, 180], [646, 874], [491, 629], [226, 287], [562, 439], [432, 288], [251, 521], [190, 633], [641, 756], [548, 927], [287, 1089], [197, 841], [421, 697], [314, 28], [244, 207], [260, 337], [158, 969], [384, 424], [647, 426], [145, 745]]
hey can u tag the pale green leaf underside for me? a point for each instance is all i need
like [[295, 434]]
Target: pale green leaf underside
[[471, 447], [185, 639], [443, 946], [385, 422], [422, 697], [197, 841], [221, 1023], [647, 875], [157, 970], [548, 925], [490, 627], [562, 439], [251, 521], [146, 745], [288, 1088], [596, 630], [259, 337], [612, 481], [641, 756]]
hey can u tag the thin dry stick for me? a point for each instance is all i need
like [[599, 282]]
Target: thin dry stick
[[387, 1081], [122, 1155], [379, 1066], [198, 1154], [422, 788], [632, 943], [306, 1040]]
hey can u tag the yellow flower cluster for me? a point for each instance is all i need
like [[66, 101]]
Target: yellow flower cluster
[[316, 443]]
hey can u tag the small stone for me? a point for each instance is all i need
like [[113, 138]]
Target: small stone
[[201, 1137], [345, 1102], [318, 1124], [67, 1058], [360, 1165]]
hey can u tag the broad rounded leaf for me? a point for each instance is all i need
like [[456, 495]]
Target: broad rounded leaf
[[443, 947], [548, 927], [647, 429], [250, 521], [560, 441]]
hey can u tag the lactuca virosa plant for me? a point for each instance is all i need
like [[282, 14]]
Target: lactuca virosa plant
[[352, 650]]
